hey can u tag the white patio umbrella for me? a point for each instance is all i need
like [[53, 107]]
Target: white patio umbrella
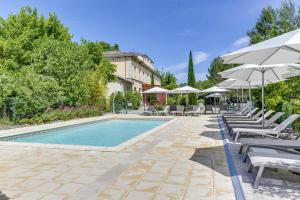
[[278, 50], [214, 95], [214, 89], [232, 83], [185, 90], [263, 73], [157, 90]]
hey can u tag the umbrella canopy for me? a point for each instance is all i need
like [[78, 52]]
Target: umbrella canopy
[[185, 90], [215, 89], [263, 73], [278, 50], [214, 95], [232, 83], [156, 90], [272, 73]]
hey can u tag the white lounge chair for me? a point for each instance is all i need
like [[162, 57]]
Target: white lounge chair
[[267, 123], [150, 110], [249, 121], [196, 111], [249, 116], [272, 160], [267, 143], [179, 110], [274, 132], [165, 110]]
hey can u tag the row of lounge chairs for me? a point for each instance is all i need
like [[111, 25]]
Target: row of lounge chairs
[[265, 147], [174, 110]]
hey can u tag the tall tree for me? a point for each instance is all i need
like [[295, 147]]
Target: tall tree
[[191, 80], [152, 96], [41, 68], [168, 81], [216, 66]]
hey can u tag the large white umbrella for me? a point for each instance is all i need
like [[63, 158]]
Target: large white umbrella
[[278, 50], [232, 83], [185, 90], [214, 95], [263, 73], [156, 90], [215, 89]]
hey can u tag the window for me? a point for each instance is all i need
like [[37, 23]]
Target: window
[[139, 89]]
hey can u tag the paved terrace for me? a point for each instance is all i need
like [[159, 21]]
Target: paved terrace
[[184, 160]]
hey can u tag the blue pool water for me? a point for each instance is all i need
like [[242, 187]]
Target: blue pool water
[[106, 133]]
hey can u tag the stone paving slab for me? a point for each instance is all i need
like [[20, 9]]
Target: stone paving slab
[[184, 160]]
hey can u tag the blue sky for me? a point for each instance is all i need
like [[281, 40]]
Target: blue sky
[[163, 29]]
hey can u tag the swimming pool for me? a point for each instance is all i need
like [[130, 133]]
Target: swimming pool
[[105, 133]]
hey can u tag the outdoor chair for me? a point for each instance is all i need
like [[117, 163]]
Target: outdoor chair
[[268, 123], [208, 108], [150, 110], [246, 113], [274, 160], [249, 116], [179, 110], [165, 110], [268, 143], [257, 118], [274, 132], [194, 111]]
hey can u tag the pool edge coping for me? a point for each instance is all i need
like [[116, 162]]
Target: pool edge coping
[[46, 127], [236, 184]]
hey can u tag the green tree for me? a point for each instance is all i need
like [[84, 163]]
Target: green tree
[[168, 81], [217, 65], [42, 69], [191, 80], [152, 96]]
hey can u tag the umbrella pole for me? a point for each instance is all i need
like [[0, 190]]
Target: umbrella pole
[[250, 100], [242, 97], [262, 98]]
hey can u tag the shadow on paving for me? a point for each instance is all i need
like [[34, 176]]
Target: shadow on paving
[[212, 157], [215, 126], [3, 196], [211, 134]]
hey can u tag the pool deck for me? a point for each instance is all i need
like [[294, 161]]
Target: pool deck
[[183, 160]]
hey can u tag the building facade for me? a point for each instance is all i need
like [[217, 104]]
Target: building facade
[[133, 72]]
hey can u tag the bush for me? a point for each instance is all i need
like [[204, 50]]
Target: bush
[[119, 101], [135, 98], [66, 113]]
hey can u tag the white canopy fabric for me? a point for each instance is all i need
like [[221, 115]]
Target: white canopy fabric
[[185, 90], [156, 90], [278, 50], [214, 95], [263, 73], [272, 73], [238, 84], [215, 89]]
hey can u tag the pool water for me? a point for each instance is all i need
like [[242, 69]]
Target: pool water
[[107, 133]]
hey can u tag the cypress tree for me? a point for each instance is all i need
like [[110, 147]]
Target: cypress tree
[[152, 96], [191, 80]]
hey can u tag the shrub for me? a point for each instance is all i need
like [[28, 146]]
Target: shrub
[[119, 101], [62, 114], [133, 97]]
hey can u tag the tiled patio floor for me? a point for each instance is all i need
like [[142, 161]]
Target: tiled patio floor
[[184, 160]]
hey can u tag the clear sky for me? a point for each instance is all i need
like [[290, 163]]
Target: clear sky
[[165, 30]]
